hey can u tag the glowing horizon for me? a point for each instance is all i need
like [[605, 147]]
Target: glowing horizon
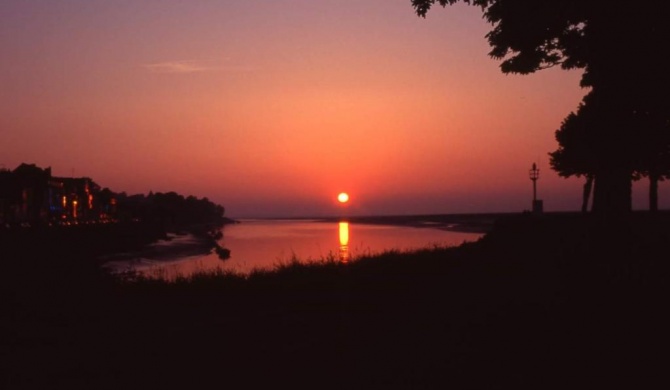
[[270, 108]]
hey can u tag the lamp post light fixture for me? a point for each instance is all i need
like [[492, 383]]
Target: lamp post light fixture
[[534, 175]]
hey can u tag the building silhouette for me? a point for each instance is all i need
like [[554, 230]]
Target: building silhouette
[[30, 195]]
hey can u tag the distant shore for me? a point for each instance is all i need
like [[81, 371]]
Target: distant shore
[[468, 223], [471, 223]]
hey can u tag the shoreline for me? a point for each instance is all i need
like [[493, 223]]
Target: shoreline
[[551, 296], [466, 223], [176, 247], [469, 223]]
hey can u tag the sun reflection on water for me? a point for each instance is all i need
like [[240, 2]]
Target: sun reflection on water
[[344, 242]]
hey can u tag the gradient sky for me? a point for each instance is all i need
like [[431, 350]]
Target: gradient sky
[[271, 108]]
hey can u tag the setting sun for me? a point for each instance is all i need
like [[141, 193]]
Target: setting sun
[[343, 197]]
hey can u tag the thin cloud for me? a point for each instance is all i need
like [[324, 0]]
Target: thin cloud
[[176, 67]]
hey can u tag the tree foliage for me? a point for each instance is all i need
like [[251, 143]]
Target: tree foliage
[[575, 155], [529, 35], [171, 208], [602, 38], [620, 48]]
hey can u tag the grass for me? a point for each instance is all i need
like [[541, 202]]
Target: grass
[[545, 303]]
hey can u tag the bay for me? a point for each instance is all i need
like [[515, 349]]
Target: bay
[[264, 244]]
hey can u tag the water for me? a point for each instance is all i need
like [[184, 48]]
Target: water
[[264, 244]]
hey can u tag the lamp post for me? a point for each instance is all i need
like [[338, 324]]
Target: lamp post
[[534, 175]]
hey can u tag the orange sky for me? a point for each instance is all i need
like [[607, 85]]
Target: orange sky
[[272, 108]]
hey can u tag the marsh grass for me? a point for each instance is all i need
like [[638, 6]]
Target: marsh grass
[[548, 303], [283, 267]]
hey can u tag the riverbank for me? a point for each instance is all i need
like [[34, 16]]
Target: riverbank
[[547, 302], [95, 240], [470, 223]]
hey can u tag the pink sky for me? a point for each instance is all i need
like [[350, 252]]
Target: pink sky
[[272, 108]]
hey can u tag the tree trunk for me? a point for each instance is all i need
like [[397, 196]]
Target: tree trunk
[[612, 194], [587, 193], [653, 193]]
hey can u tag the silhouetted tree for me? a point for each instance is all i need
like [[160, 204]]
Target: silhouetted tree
[[575, 155], [579, 148], [618, 48], [171, 209], [653, 144]]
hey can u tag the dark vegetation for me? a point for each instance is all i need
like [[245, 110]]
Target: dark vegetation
[[542, 301], [621, 131], [579, 148], [551, 301], [172, 210], [31, 197], [75, 215]]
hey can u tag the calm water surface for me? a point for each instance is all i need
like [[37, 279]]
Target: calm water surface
[[264, 244]]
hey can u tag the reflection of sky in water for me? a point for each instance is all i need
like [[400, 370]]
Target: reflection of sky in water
[[267, 243]]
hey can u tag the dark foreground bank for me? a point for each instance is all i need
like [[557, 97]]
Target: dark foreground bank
[[558, 302]]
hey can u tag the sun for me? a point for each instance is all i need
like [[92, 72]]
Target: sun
[[343, 197]]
